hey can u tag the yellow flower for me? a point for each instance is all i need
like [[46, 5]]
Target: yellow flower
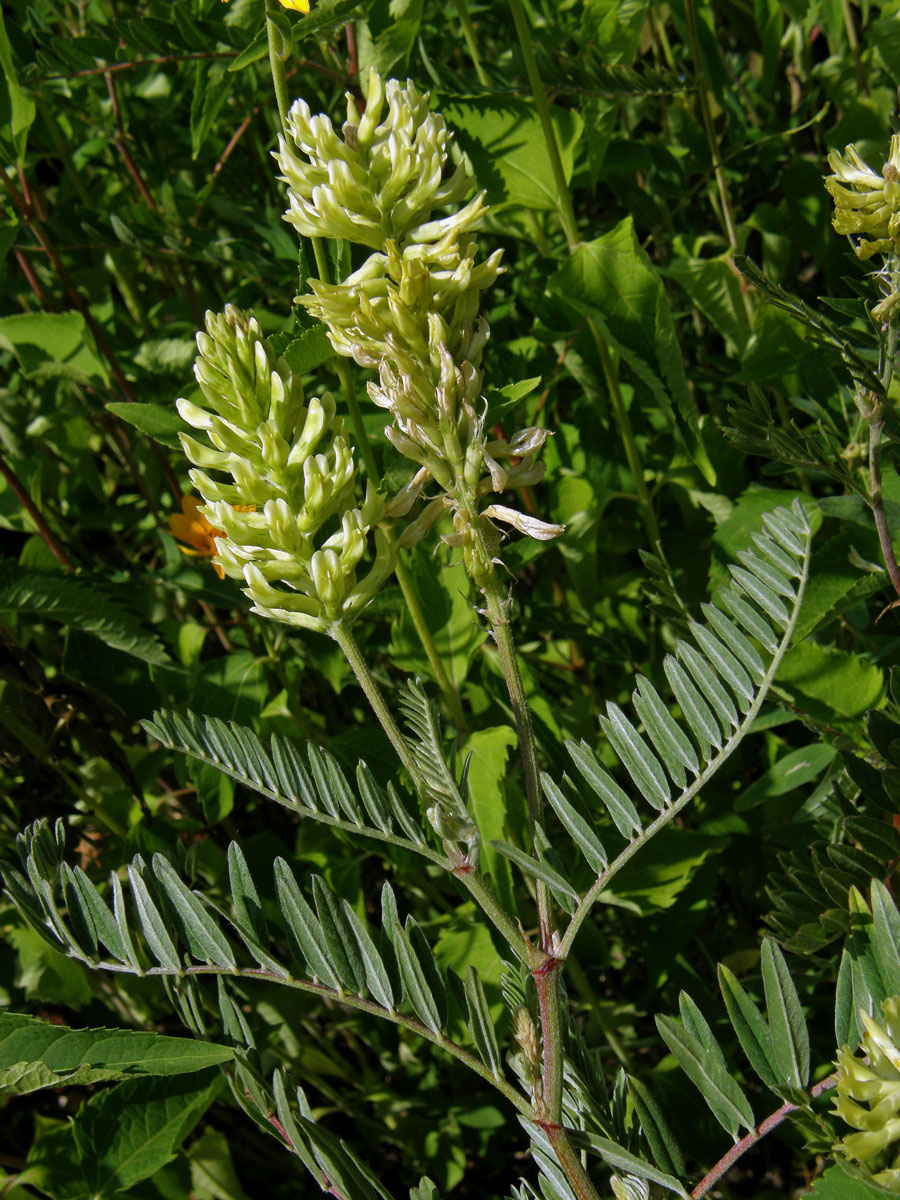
[[300, 6], [192, 529], [197, 535]]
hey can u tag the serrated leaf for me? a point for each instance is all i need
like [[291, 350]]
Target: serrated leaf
[[35, 1054], [81, 604]]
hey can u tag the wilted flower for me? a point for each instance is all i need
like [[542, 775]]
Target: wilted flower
[[867, 1095], [866, 204]]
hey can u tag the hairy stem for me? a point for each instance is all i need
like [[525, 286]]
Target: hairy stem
[[470, 879], [727, 1161], [354, 656], [876, 501], [276, 65], [563, 196], [872, 409]]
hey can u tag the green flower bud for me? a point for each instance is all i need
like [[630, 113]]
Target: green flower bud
[[867, 1095], [383, 180], [866, 204], [275, 475]]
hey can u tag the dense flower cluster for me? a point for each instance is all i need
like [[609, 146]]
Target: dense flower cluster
[[867, 1095], [279, 482], [866, 204], [411, 312]]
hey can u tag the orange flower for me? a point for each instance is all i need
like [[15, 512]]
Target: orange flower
[[192, 529]]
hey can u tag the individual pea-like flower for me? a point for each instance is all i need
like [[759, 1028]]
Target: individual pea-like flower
[[279, 482], [867, 1095], [194, 532], [866, 204]]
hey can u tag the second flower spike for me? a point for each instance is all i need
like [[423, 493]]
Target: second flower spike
[[278, 479]]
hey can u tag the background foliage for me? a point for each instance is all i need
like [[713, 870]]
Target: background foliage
[[139, 192]]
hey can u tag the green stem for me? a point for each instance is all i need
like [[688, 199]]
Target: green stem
[[352, 1001], [873, 411], [706, 115], [468, 29], [471, 880], [853, 42], [626, 433], [563, 196], [279, 75], [508, 929], [569, 224], [347, 642]]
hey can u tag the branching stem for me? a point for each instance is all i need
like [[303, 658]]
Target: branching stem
[[727, 1161], [352, 1001]]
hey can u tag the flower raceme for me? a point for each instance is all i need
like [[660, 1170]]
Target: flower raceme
[[866, 204], [411, 311], [867, 1095], [279, 483]]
